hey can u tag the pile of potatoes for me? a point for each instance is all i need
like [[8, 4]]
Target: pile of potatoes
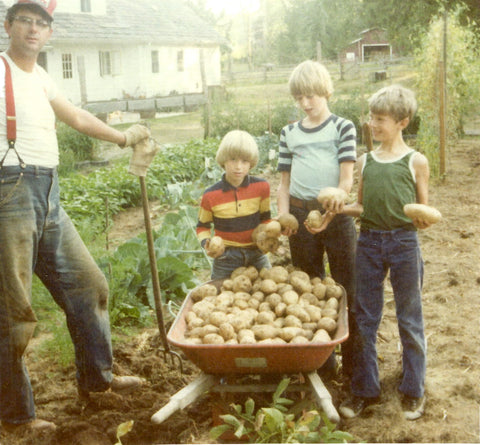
[[271, 306]]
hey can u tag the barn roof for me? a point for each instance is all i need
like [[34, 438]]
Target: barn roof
[[165, 22]]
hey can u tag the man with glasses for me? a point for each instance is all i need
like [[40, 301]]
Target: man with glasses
[[36, 235]]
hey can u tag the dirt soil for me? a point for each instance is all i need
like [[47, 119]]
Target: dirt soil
[[451, 311]]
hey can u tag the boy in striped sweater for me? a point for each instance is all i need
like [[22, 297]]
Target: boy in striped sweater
[[235, 206]]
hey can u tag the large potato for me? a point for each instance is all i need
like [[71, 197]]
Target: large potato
[[314, 219], [263, 331], [273, 229], [213, 339], [268, 286], [199, 293], [226, 331], [216, 246], [267, 243], [422, 211], [278, 274], [288, 221], [327, 323], [242, 283], [321, 336], [331, 193], [299, 312]]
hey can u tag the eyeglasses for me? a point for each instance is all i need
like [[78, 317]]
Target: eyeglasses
[[27, 21]]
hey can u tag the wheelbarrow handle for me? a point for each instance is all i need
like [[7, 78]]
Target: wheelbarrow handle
[[153, 264]]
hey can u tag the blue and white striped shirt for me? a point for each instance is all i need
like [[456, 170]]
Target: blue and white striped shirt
[[313, 155]]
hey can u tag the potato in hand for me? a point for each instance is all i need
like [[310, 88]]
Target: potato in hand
[[215, 247], [422, 212]]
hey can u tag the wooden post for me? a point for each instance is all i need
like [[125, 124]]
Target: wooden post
[[319, 51], [442, 118], [443, 98], [207, 106]]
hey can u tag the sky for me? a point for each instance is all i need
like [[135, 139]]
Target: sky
[[232, 6]]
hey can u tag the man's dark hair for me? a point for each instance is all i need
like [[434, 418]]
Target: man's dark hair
[[12, 12]]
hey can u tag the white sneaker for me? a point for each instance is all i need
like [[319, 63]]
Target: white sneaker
[[413, 407]]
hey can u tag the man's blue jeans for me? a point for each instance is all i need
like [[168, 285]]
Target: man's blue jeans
[[36, 235], [235, 257], [399, 252]]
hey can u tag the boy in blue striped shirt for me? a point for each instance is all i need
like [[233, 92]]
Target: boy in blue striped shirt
[[316, 152]]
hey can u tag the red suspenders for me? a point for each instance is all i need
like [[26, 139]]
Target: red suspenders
[[10, 113]]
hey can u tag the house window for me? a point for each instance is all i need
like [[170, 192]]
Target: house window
[[67, 66], [85, 6], [155, 62], [110, 63], [105, 63], [180, 64]]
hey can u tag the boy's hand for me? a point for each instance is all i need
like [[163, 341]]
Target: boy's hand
[[325, 222], [216, 251], [421, 223], [333, 205]]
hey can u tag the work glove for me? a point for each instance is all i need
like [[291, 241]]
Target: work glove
[[143, 153], [135, 134]]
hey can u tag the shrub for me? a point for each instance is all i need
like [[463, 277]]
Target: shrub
[[74, 147], [463, 78]]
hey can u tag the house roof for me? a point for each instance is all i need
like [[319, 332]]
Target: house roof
[[165, 22]]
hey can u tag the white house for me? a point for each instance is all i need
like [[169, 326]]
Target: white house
[[121, 50]]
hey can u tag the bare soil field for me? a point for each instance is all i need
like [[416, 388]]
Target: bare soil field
[[451, 251]]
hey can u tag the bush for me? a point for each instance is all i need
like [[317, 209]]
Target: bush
[[74, 147], [227, 116]]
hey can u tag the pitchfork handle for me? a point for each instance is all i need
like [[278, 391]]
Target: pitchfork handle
[[153, 265]]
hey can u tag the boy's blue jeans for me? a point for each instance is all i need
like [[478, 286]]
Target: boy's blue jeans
[[235, 257], [338, 241], [399, 252], [36, 235]]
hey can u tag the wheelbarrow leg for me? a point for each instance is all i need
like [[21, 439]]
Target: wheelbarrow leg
[[323, 397], [185, 397]]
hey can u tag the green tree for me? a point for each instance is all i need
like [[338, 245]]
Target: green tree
[[462, 75], [333, 23]]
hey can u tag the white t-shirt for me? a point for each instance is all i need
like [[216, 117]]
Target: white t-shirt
[[36, 136]]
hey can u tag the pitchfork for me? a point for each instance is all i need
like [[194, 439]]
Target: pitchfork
[[155, 281]]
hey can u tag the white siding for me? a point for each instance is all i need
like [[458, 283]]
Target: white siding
[[135, 78], [99, 7]]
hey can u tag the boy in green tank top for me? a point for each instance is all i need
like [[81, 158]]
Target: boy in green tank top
[[390, 176]]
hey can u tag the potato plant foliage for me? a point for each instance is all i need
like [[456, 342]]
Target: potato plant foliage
[[280, 422]]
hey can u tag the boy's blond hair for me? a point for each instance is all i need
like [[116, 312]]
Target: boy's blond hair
[[237, 144], [395, 101], [310, 78]]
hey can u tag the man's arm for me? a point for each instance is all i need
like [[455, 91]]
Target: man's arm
[[85, 122]]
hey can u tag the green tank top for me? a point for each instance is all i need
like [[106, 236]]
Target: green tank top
[[387, 187]]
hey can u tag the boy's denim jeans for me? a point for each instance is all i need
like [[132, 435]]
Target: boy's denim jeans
[[36, 235], [338, 241], [399, 252], [235, 257]]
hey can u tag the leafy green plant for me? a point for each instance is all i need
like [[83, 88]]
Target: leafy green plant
[[462, 81], [276, 424], [178, 255], [74, 147]]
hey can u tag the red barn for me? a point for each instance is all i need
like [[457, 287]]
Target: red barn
[[372, 44]]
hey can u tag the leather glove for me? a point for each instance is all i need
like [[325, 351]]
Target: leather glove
[[135, 134], [143, 153]]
